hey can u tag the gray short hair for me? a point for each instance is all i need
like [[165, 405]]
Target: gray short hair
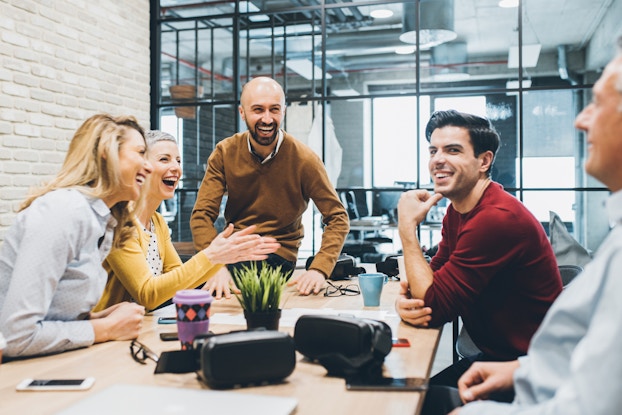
[[153, 136]]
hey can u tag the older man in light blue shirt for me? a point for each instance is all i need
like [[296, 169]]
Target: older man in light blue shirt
[[574, 362]]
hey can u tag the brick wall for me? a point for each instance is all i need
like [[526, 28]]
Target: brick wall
[[62, 61]]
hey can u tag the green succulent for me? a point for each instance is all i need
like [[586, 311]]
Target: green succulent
[[260, 290]]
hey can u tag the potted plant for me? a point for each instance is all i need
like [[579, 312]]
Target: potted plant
[[260, 294]]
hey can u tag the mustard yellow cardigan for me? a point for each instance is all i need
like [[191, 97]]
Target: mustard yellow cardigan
[[131, 279]]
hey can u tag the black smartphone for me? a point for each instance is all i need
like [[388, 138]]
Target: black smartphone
[[169, 336], [167, 320], [387, 384]]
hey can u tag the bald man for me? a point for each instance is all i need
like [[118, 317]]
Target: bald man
[[269, 178]]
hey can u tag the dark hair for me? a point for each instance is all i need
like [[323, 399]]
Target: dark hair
[[483, 135]]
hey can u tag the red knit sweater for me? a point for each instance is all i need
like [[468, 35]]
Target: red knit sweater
[[496, 269]]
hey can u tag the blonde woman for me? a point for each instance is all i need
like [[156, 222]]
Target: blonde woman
[[50, 262], [147, 269]]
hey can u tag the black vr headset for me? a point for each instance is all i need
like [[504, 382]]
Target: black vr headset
[[233, 359], [345, 346], [344, 268]]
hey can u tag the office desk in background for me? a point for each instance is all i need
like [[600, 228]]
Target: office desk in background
[[110, 363]]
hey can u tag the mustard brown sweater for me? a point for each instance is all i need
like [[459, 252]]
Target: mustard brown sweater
[[272, 196]]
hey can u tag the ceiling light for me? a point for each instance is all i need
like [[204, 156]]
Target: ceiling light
[[345, 92], [306, 69], [514, 85], [405, 50], [436, 23], [381, 13], [508, 3], [531, 53]]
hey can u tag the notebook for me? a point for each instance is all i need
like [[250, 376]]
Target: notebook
[[156, 400]]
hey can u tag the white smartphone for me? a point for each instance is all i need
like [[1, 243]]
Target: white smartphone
[[55, 384]]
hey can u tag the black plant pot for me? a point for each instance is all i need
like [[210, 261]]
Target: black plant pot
[[267, 319]]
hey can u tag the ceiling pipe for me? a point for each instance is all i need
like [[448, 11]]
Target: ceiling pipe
[[562, 66]]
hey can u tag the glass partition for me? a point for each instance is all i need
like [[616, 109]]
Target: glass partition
[[367, 74]]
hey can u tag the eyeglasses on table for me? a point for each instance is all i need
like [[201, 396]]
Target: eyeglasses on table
[[142, 353], [334, 290]]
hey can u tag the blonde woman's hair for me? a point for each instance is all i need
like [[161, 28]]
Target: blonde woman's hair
[[91, 166]]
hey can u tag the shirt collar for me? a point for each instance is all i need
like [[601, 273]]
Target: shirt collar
[[614, 207], [271, 155]]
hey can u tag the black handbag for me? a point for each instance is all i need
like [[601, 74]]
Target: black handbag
[[233, 359], [345, 346]]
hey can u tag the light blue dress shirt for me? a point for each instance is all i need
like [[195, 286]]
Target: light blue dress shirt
[[574, 362], [51, 273]]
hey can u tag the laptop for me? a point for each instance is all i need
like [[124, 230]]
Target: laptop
[[123, 399]]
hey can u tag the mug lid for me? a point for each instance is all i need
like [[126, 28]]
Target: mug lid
[[192, 296]]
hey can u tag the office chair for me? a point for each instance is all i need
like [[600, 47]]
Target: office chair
[[569, 273]]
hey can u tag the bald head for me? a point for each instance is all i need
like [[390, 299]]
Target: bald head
[[261, 87], [262, 107]]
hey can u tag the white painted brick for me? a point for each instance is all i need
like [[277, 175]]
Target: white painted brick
[[5, 180], [42, 143], [12, 115], [27, 5], [45, 169], [6, 23], [16, 39], [15, 90], [15, 142], [27, 104], [26, 80], [26, 181], [44, 71], [26, 155], [6, 75], [16, 65], [27, 130], [5, 128], [15, 167], [53, 86], [41, 120], [41, 95]]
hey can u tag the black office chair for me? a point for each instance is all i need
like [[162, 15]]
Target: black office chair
[[569, 273]]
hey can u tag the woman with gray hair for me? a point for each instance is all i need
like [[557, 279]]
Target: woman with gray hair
[[147, 269]]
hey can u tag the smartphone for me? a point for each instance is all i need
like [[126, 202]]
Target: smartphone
[[169, 336], [400, 342], [55, 384], [167, 320], [387, 384]]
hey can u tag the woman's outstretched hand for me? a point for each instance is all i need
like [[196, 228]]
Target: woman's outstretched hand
[[229, 247]]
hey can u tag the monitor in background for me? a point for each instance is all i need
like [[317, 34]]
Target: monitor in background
[[384, 203]]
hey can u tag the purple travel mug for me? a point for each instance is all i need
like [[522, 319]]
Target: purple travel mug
[[192, 308]]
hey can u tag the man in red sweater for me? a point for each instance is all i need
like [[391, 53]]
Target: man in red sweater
[[494, 268]]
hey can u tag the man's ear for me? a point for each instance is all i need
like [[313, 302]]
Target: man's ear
[[241, 111], [486, 159]]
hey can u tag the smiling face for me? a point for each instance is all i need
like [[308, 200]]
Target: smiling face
[[602, 121], [262, 107], [453, 166], [133, 168], [166, 161]]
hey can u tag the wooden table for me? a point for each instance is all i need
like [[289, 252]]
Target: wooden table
[[316, 393]]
